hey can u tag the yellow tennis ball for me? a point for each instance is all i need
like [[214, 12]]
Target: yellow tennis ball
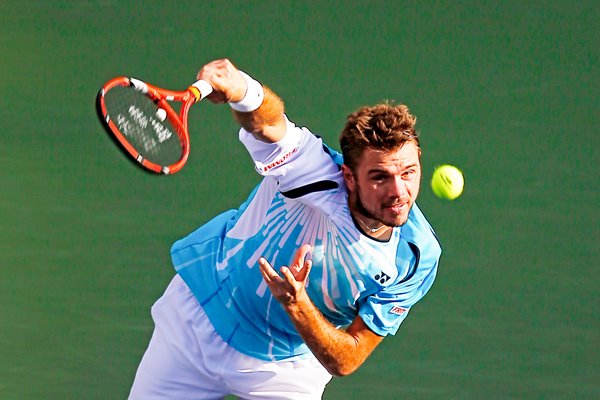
[[447, 182]]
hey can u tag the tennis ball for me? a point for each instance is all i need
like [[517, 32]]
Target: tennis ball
[[447, 182], [161, 114]]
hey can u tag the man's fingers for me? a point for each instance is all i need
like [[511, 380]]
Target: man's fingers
[[296, 273], [268, 273], [303, 275], [227, 82], [300, 255], [288, 275]]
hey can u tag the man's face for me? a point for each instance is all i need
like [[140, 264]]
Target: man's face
[[385, 185]]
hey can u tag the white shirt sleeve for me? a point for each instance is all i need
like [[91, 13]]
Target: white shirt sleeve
[[295, 161]]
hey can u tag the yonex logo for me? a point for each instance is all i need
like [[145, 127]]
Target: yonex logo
[[382, 277]]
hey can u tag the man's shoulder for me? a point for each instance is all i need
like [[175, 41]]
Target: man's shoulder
[[419, 232]]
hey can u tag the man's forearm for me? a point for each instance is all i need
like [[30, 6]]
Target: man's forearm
[[267, 123], [256, 108], [341, 352]]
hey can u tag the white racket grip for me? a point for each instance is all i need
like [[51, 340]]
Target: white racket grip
[[203, 87]]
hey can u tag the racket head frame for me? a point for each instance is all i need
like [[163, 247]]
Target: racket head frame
[[162, 98]]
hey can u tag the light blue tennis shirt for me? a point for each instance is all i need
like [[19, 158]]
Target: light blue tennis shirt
[[302, 199]]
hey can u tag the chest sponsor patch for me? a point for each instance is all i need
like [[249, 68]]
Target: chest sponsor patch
[[398, 310]]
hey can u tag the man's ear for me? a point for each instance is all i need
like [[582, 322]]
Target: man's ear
[[348, 178]]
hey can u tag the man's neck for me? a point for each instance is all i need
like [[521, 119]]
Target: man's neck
[[372, 228]]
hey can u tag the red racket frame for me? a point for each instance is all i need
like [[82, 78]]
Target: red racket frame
[[161, 97]]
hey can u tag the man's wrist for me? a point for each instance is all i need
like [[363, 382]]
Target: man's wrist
[[252, 99], [300, 307]]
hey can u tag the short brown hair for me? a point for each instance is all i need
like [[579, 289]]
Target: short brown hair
[[381, 127]]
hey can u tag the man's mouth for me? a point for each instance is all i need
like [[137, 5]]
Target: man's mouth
[[397, 208]]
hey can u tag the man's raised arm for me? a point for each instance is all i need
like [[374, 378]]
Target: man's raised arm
[[256, 108]]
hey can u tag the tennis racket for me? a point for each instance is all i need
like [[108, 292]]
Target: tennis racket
[[140, 119]]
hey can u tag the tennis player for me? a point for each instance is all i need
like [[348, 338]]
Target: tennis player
[[324, 259]]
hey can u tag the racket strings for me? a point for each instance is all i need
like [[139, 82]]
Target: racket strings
[[140, 122]]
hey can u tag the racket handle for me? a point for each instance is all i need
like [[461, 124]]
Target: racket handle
[[201, 89]]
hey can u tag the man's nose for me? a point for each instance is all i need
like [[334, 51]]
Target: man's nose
[[399, 188]]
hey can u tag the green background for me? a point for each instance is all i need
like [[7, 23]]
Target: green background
[[506, 90]]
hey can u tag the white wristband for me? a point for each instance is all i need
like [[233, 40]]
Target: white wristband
[[252, 99]]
